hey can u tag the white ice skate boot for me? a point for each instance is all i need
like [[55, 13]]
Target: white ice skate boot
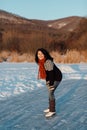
[[46, 110], [50, 114]]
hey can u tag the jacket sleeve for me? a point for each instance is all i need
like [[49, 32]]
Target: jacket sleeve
[[49, 65]]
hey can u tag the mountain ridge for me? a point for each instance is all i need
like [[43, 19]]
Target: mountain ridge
[[10, 17]]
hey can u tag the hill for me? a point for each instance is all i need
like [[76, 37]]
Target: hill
[[21, 35]]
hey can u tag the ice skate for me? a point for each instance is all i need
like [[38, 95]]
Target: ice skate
[[46, 110], [50, 114]]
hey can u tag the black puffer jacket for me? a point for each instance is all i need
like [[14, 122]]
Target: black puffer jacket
[[53, 73]]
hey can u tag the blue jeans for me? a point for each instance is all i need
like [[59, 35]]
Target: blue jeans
[[51, 92]]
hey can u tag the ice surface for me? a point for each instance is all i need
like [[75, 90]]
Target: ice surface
[[23, 98]]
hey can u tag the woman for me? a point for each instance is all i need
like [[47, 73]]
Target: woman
[[52, 75]]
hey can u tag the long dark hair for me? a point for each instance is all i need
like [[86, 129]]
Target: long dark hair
[[45, 52]]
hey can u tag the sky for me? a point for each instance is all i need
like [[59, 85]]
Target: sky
[[45, 9]]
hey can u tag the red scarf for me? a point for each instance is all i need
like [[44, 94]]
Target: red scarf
[[41, 73]]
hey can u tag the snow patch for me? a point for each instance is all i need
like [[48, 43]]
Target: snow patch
[[62, 25], [67, 69]]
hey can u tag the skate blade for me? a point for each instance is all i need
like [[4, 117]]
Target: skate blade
[[51, 116]]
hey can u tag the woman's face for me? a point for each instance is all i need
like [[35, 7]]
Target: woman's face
[[40, 55]]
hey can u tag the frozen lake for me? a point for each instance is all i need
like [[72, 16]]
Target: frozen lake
[[23, 98]]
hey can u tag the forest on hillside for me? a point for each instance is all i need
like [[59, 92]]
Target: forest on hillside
[[24, 37]]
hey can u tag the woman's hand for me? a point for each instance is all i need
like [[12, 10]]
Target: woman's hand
[[47, 83], [51, 87]]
